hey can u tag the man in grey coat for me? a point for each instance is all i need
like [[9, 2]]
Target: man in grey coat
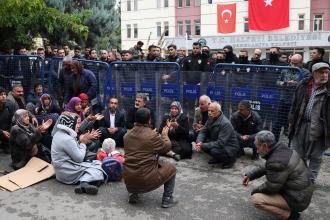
[[309, 117], [287, 189], [218, 138]]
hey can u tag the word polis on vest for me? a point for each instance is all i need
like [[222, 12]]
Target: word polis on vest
[[272, 40]]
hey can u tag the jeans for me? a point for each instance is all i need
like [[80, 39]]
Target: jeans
[[220, 155], [169, 187]]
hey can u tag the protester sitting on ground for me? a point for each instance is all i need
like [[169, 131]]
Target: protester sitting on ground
[[85, 105], [24, 139], [178, 133], [201, 115], [141, 100], [6, 115], [84, 80], [68, 155], [109, 150], [33, 97], [247, 123], [218, 138], [113, 123], [287, 189], [143, 170], [16, 96], [74, 106], [46, 109]]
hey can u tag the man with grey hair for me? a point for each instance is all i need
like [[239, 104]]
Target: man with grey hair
[[288, 189], [200, 116], [309, 117], [218, 138]]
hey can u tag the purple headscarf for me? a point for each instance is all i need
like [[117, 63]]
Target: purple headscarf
[[70, 107]]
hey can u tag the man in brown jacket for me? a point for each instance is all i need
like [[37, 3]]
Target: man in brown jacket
[[143, 171]]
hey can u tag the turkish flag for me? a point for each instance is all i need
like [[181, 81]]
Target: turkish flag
[[226, 18], [268, 15]]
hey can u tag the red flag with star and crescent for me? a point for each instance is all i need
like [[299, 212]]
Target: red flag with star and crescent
[[268, 15], [226, 18]]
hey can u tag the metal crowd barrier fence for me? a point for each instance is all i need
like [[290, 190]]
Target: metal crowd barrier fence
[[21, 69], [159, 80]]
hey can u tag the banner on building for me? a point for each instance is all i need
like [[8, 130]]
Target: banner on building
[[268, 15], [226, 18]]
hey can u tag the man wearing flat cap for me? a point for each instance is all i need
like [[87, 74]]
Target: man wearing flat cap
[[309, 118]]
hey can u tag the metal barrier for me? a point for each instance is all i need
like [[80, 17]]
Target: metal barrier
[[20, 69], [160, 80], [269, 89]]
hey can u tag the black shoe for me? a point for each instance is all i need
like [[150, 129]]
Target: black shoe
[[240, 153], [133, 198], [168, 202], [255, 156], [294, 216], [213, 161], [177, 157], [228, 165], [84, 187]]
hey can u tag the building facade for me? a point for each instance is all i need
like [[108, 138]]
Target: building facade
[[309, 25]]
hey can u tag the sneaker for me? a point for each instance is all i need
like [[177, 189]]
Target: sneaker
[[86, 188], [213, 161], [228, 165], [177, 157], [133, 198], [168, 202], [294, 216]]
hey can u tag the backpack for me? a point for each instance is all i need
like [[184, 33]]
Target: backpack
[[113, 168]]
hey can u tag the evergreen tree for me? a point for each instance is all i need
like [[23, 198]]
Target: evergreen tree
[[100, 16]]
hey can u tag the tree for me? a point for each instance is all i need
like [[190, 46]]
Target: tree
[[22, 20], [103, 22]]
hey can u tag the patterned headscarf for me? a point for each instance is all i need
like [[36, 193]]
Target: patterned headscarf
[[70, 107], [42, 98], [178, 105], [67, 120], [17, 120]]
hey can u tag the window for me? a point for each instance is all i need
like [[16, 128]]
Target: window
[[188, 27], [180, 28], [318, 22], [166, 28], [246, 24], [129, 4], [128, 27], [165, 3], [188, 3], [159, 3], [159, 29], [197, 2], [209, 1], [135, 5], [180, 3], [301, 22], [197, 27], [135, 30]]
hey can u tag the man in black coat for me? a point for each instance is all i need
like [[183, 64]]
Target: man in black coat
[[247, 123], [316, 57], [287, 189], [113, 123], [7, 110], [218, 138]]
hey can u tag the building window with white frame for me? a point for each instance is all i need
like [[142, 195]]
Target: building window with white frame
[[166, 28], [129, 5], [158, 3], [318, 23], [301, 22], [187, 3], [159, 29], [188, 27], [135, 31], [180, 3], [165, 3], [128, 29], [180, 28], [246, 24], [135, 5], [209, 1], [197, 27], [197, 3]]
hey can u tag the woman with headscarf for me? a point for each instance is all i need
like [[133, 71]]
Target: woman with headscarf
[[46, 109], [178, 133], [68, 155], [24, 138], [74, 106]]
